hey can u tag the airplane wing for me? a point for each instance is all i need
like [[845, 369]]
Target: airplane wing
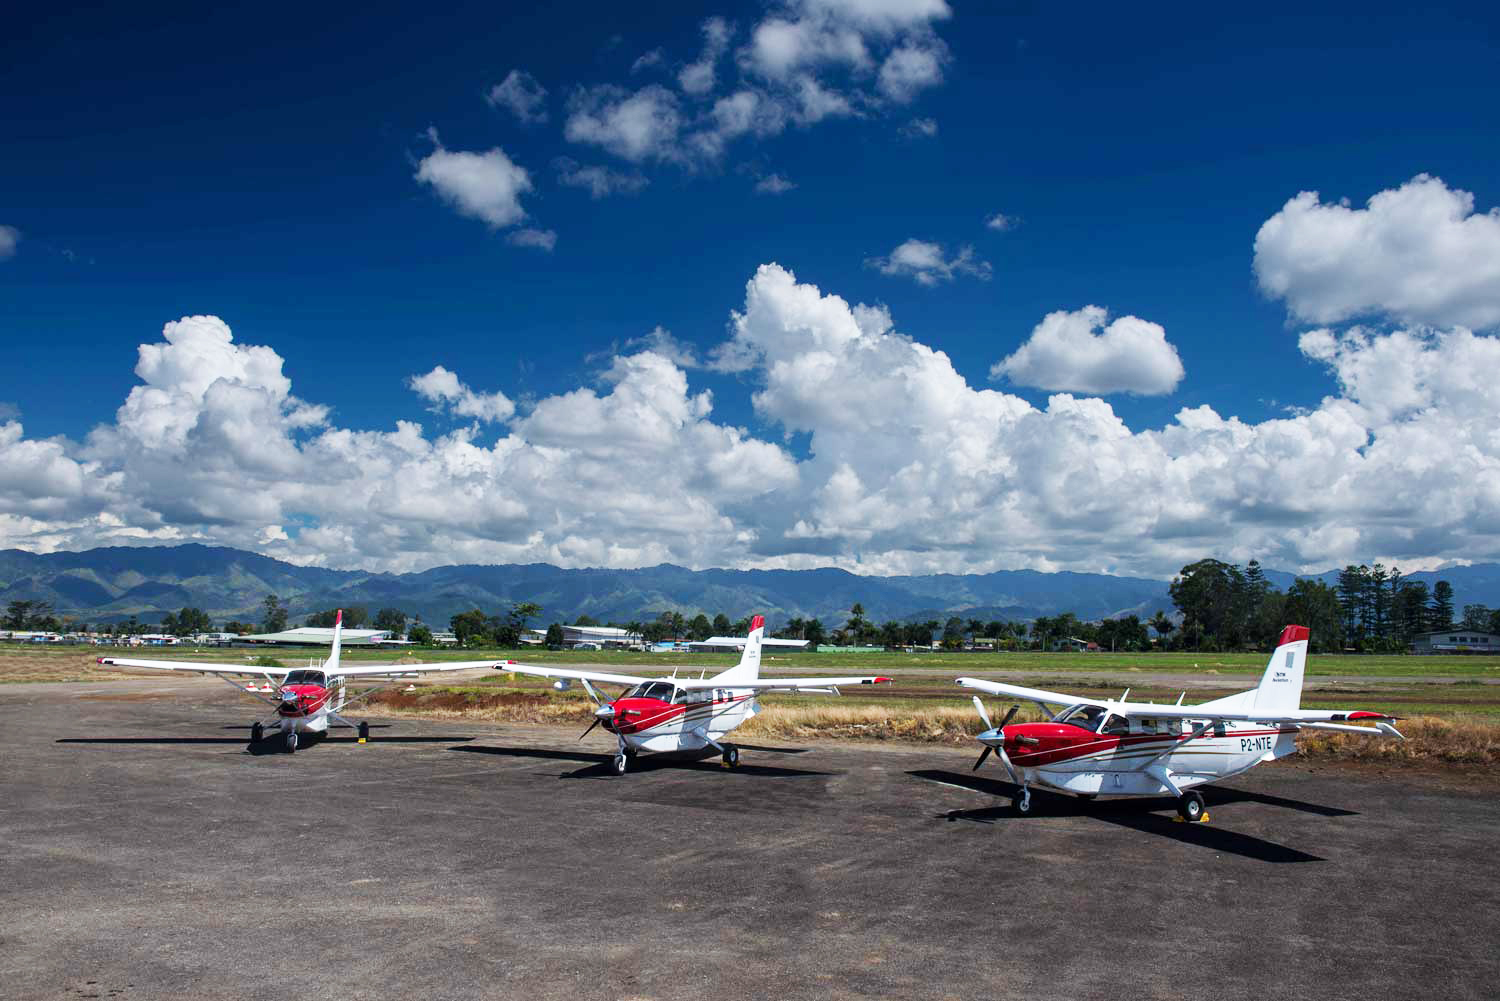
[[555, 672], [1319, 718], [1032, 694], [401, 670], [780, 684], [187, 665]]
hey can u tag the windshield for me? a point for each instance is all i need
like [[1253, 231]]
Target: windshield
[[1087, 717], [304, 678], [655, 690]]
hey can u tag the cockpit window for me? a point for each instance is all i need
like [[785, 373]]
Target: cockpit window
[[1088, 717], [661, 690], [304, 678]]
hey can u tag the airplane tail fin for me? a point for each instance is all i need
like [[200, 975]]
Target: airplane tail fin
[[747, 671], [1280, 689], [331, 666]]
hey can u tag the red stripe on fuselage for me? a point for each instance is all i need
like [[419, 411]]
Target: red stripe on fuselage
[[652, 713], [1095, 744]]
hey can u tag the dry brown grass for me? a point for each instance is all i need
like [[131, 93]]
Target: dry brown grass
[[1457, 740]]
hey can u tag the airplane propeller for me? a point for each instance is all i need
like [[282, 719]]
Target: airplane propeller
[[601, 714], [988, 726]]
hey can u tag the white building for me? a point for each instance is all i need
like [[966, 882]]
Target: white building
[[736, 644], [1455, 641]]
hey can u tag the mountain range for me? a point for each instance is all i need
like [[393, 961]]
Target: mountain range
[[112, 584]]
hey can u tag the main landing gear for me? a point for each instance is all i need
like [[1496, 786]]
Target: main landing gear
[[364, 732], [731, 756], [257, 732], [1190, 807]]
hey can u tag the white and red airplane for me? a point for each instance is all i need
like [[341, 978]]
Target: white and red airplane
[[684, 714], [1095, 747], [305, 699]]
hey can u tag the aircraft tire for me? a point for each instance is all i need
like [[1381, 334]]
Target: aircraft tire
[[364, 731], [256, 733], [1022, 804], [1190, 807], [731, 756], [291, 742], [622, 764]]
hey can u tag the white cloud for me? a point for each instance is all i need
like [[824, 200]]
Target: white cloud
[[541, 239], [909, 468], [803, 62], [486, 186], [647, 60], [928, 264], [920, 128], [697, 78], [443, 390], [1417, 253], [636, 126], [1001, 221], [912, 68], [600, 182], [773, 184], [660, 341], [1077, 352], [10, 237], [522, 95]]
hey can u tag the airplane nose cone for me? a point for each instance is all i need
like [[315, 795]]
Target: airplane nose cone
[[992, 735], [605, 711]]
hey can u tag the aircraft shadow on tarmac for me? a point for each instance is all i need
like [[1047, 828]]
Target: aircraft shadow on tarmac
[[271, 744], [1138, 814], [599, 765]]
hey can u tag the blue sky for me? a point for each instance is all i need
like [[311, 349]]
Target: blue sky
[[261, 167]]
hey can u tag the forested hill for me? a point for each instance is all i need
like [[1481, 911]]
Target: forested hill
[[107, 585]]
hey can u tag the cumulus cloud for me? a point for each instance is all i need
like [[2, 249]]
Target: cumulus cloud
[[928, 264], [773, 184], [10, 237], [600, 182], [1418, 253], [908, 467], [541, 239], [698, 77], [803, 62], [1000, 221], [1077, 352], [920, 128], [521, 95], [444, 391], [486, 186], [633, 125], [912, 68]]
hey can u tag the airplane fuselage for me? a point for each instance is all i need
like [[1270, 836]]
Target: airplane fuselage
[[654, 725], [1074, 759]]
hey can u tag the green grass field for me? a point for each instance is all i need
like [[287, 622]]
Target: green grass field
[[1250, 664]]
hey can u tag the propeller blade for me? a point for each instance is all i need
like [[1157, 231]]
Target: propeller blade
[[982, 715], [982, 755], [585, 733], [1008, 716]]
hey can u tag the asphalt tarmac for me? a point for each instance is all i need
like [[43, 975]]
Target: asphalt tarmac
[[145, 854]]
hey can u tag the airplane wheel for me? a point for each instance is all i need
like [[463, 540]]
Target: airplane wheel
[[364, 731], [731, 756], [1023, 803], [621, 764], [291, 742], [1190, 807], [256, 733]]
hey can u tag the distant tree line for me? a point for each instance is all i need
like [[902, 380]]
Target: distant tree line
[[1370, 609]]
